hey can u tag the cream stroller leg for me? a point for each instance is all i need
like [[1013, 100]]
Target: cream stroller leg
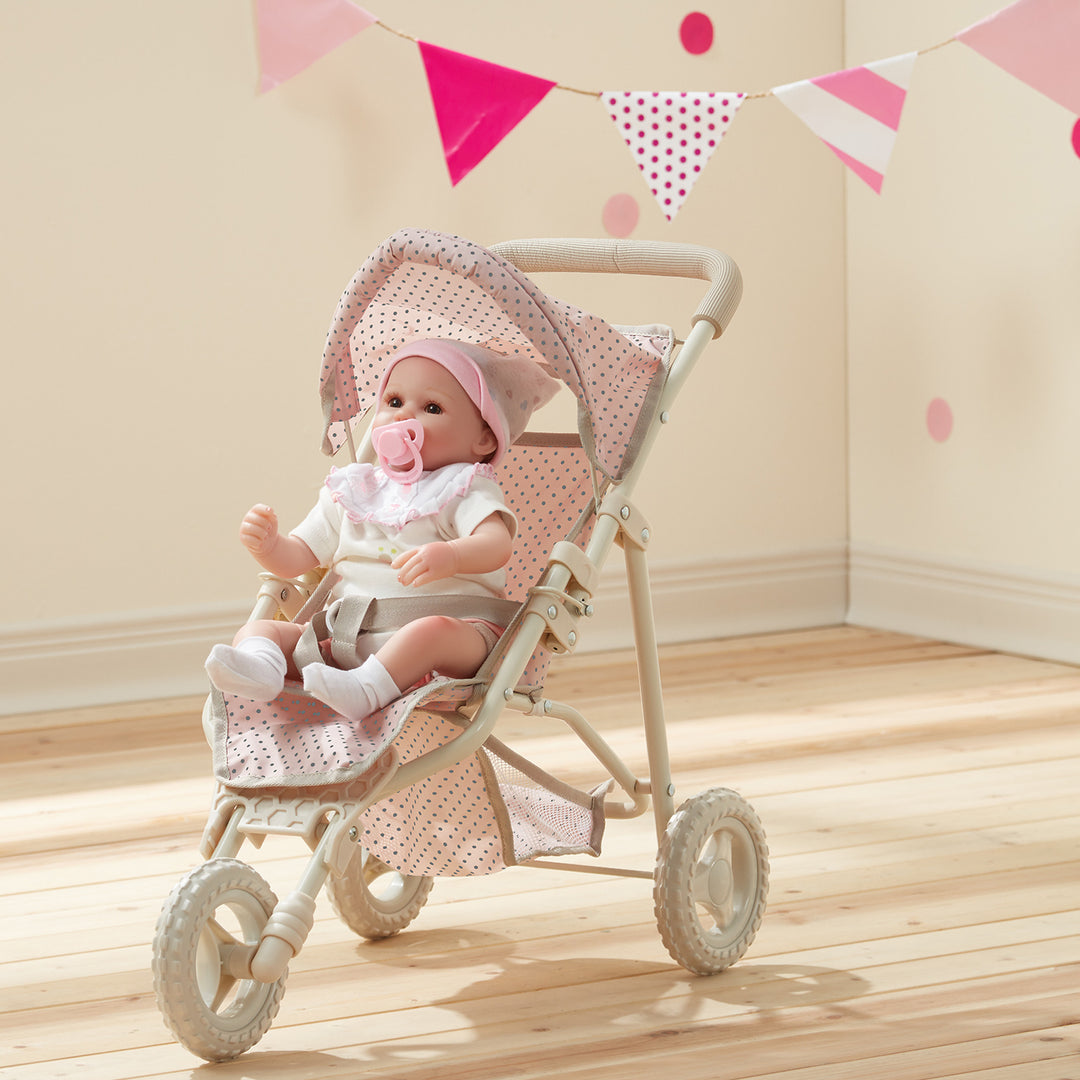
[[712, 866], [652, 694]]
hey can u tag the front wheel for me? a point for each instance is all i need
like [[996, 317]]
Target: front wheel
[[209, 926], [374, 900], [712, 879]]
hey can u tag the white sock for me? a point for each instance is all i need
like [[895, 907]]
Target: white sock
[[353, 694], [253, 669]]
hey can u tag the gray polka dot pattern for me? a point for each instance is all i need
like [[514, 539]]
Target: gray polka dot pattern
[[416, 285], [421, 284]]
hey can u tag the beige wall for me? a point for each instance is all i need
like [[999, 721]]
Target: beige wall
[[175, 246], [962, 283]]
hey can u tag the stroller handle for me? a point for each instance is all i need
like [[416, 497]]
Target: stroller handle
[[637, 257]]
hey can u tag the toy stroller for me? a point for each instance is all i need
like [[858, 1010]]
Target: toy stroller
[[422, 788]]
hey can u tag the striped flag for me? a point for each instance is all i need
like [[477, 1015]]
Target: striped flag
[[856, 112]]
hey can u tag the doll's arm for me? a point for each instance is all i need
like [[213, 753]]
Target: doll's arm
[[286, 556], [485, 549]]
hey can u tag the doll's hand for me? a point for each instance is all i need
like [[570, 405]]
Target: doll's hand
[[425, 564], [259, 530]]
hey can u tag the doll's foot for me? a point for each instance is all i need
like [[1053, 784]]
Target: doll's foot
[[253, 669], [353, 694]]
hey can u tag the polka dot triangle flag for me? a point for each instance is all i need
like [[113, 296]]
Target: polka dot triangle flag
[[672, 134], [856, 112]]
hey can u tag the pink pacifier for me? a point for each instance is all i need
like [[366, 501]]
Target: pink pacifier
[[398, 448]]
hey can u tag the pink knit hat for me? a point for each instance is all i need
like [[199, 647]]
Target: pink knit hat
[[504, 389]]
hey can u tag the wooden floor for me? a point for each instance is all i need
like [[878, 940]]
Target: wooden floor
[[922, 807]]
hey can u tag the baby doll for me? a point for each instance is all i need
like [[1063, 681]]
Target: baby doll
[[428, 518]]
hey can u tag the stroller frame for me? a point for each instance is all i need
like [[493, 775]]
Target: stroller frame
[[219, 989]]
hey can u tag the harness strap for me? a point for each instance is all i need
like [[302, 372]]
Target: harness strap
[[347, 619]]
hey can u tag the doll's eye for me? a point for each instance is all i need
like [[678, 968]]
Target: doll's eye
[[433, 408], [394, 401]]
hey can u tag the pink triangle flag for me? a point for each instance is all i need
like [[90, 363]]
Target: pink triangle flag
[[293, 34], [856, 112], [672, 134], [477, 104], [1038, 42]]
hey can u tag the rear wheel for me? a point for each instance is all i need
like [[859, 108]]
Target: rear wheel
[[712, 879], [374, 900], [209, 927]]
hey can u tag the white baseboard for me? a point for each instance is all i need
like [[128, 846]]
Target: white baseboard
[[695, 601], [145, 656], [992, 607], [79, 662]]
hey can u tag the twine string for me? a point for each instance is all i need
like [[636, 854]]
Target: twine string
[[757, 96]]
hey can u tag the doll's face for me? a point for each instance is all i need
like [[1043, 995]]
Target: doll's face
[[422, 390]]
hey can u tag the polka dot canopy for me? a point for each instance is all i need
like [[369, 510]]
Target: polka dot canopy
[[420, 284]]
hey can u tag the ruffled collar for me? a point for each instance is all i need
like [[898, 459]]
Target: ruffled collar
[[366, 493]]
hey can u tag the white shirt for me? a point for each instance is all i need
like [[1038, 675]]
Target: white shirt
[[364, 520]]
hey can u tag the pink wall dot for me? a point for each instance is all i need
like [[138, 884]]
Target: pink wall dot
[[620, 215], [696, 33], [1076, 138], [939, 419]]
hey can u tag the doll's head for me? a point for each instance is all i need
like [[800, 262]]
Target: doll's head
[[453, 402], [425, 419]]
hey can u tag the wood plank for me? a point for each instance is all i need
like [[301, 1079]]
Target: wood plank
[[921, 808], [839, 766], [851, 770], [541, 1003], [121, 811]]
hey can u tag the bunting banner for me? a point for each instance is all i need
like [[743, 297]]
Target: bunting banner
[[855, 112], [672, 134], [293, 34], [476, 104], [1038, 42]]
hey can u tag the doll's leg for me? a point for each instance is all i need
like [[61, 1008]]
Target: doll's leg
[[436, 643], [256, 663]]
